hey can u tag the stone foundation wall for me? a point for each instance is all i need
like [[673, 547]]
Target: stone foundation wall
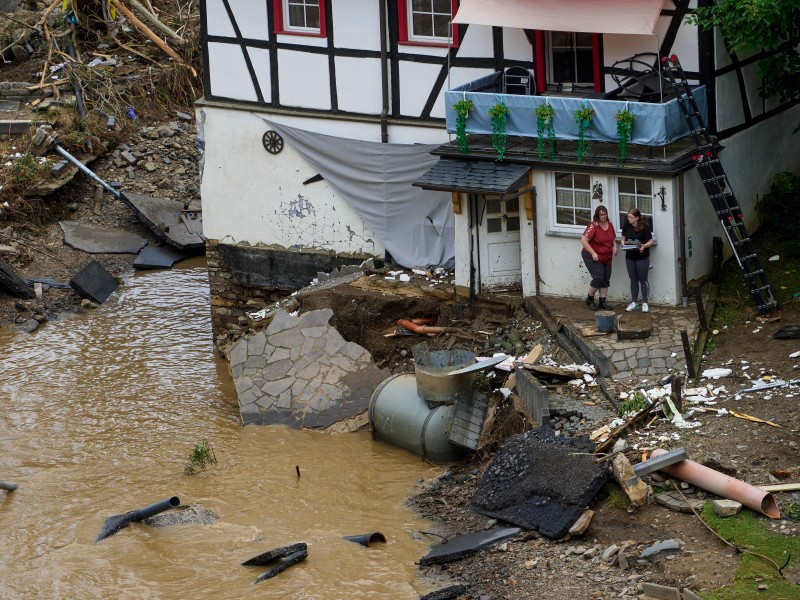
[[230, 300]]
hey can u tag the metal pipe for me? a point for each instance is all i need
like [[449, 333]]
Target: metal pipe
[[399, 416], [384, 76], [10, 487], [60, 149], [682, 238], [722, 485], [153, 509]]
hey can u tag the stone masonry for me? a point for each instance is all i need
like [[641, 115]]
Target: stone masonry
[[301, 372]]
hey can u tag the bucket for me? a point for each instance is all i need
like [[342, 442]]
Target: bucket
[[435, 384], [605, 320], [399, 416]]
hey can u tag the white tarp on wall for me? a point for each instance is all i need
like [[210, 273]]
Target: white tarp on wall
[[414, 225], [589, 16]]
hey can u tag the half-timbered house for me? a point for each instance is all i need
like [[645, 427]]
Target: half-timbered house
[[331, 135]]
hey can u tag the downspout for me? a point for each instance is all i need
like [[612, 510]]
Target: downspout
[[384, 77], [722, 485], [534, 199], [682, 238]]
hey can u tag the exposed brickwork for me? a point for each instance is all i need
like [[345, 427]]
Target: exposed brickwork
[[230, 300]]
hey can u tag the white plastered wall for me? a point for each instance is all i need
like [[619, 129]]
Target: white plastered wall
[[252, 196]]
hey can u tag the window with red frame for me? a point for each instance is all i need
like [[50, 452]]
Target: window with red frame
[[567, 60], [427, 22], [300, 17]]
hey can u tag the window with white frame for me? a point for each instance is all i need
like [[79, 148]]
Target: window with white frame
[[573, 199], [301, 16], [427, 22], [635, 192], [502, 216]]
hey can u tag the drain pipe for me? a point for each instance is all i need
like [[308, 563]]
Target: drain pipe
[[682, 238], [384, 76], [152, 510], [399, 416], [722, 485], [9, 487]]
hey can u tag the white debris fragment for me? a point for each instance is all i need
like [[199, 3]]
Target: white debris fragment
[[794, 354], [390, 278], [404, 277], [717, 373], [757, 329], [419, 271], [775, 258], [587, 378], [576, 382]]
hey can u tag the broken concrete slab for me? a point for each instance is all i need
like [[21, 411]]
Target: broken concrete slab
[[99, 240], [194, 514], [158, 257], [461, 546], [94, 282], [301, 372], [540, 481], [14, 284], [634, 326], [169, 221], [726, 508]]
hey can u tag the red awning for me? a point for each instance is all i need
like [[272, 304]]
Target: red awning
[[590, 16]]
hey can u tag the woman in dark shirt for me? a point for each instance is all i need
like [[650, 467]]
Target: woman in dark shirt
[[637, 232]]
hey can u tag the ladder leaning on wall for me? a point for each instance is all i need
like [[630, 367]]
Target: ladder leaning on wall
[[719, 191]]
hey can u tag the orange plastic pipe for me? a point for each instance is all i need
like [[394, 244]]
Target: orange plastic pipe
[[420, 328], [722, 485], [423, 320]]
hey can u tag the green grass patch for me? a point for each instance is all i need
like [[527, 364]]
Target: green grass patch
[[615, 496], [735, 304], [752, 531]]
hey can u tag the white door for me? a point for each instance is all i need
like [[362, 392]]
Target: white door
[[498, 243]]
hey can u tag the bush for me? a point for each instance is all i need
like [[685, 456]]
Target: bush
[[777, 212]]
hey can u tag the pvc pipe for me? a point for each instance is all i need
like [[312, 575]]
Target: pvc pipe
[[402, 418], [86, 170], [153, 509], [411, 326], [722, 485], [8, 486]]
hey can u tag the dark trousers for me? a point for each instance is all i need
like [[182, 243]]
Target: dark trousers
[[638, 271], [601, 273]]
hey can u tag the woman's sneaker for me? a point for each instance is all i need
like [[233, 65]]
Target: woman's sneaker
[[645, 307], [632, 306]]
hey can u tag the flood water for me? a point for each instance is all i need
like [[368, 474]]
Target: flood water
[[99, 413]]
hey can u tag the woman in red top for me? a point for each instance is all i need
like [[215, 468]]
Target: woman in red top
[[599, 241]]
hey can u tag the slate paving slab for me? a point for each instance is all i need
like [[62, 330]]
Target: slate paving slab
[[99, 240], [158, 257], [300, 372], [461, 546], [94, 283]]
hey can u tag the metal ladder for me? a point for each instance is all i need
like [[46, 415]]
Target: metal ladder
[[719, 191]]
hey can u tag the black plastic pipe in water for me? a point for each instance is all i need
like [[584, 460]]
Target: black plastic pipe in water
[[10, 487], [117, 522]]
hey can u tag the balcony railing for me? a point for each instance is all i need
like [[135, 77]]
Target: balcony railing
[[655, 124]]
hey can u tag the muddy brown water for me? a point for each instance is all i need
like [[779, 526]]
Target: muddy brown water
[[99, 413]]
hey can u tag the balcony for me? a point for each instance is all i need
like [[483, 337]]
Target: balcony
[[656, 124]]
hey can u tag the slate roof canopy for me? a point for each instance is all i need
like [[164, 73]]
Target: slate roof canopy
[[474, 177]]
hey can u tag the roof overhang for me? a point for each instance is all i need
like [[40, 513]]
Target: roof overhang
[[590, 16], [491, 178]]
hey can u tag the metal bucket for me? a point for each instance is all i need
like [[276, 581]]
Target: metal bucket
[[400, 417], [433, 382], [605, 320]]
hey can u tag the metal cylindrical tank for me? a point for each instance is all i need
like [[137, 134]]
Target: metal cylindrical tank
[[400, 417]]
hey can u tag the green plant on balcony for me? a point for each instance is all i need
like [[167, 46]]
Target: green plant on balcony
[[462, 109], [545, 132], [624, 133], [499, 115], [583, 117]]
